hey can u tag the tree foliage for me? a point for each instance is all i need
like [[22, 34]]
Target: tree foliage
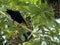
[[46, 31]]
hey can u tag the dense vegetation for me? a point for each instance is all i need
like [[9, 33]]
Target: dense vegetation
[[46, 31]]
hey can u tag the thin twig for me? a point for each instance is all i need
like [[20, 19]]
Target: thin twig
[[5, 15], [20, 25], [11, 19]]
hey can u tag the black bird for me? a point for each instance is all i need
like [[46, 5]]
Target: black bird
[[16, 16]]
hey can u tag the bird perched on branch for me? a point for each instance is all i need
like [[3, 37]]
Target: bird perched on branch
[[16, 16]]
